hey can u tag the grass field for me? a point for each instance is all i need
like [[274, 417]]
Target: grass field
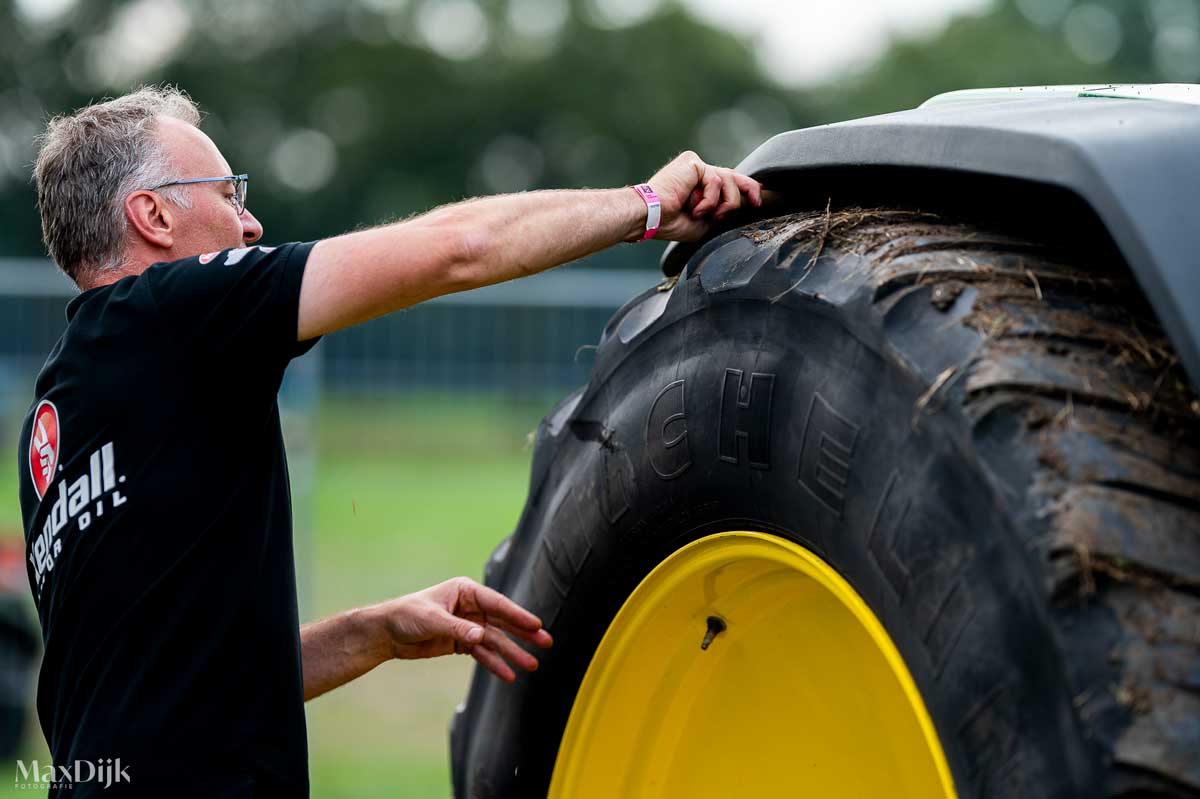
[[405, 493]]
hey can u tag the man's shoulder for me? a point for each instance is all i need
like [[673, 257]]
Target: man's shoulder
[[237, 300], [216, 269], [234, 256]]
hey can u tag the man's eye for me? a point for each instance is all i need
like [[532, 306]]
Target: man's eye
[[232, 198]]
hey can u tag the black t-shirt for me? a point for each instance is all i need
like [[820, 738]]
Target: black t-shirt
[[154, 491]]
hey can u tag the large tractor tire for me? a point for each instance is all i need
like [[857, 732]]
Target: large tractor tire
[[867, 504]]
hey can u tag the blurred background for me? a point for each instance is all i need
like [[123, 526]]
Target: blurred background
[[408, 437]]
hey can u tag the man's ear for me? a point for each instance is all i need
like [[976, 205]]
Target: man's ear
[[150, 217]]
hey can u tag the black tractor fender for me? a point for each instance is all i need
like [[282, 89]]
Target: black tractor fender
[[1125, 169]]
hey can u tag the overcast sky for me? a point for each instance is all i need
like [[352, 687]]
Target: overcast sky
[[809, 41]]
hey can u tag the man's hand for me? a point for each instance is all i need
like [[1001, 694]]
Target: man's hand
[[458, 615], [462, 616], [694, 195]]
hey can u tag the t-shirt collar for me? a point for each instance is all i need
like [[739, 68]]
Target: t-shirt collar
[[78, 300]]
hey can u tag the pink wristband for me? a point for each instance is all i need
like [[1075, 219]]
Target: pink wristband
[[653, 209]]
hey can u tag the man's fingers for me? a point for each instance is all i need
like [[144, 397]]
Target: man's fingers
[[731, 195], [462, 630], [750, 187], [712, 190], [536, 637], [498, 654], [501, 644], [496, 605], [494, 663], [711, 185]]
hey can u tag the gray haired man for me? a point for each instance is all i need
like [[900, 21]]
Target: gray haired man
[[154, 485]]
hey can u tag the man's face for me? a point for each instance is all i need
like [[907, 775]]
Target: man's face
[[213, 222]]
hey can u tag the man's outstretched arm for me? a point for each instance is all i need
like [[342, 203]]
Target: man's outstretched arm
[[359, 276], [458, 615]]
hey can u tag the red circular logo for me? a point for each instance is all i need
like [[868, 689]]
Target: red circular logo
[[43, 446]]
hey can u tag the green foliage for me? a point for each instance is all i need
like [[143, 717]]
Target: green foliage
[[585, 105], [411, 128], [1000, 48]]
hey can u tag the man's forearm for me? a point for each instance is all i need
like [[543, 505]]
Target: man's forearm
[[339, 649], [515, 235], [353, 278], [457, 615], [359, 276]]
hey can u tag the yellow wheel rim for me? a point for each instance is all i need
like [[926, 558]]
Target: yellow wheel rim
[[802, 694]]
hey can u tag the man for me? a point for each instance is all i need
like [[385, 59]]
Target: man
[[154, 485]]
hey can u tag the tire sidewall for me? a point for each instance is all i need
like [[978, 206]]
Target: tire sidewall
[[825, 453]]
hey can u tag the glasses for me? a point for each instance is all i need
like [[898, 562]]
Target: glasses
[[240, 185]]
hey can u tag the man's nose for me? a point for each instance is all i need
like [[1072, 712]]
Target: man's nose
[[252, 229]]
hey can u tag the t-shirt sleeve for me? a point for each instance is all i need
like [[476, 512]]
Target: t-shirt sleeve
[[241, 303]]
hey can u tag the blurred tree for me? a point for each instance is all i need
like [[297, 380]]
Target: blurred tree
[[1025, 43], [353, 114], [349, 114]]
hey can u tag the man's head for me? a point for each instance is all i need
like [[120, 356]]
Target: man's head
[[96, 171]]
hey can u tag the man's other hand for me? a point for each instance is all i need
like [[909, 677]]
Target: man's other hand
[[695, 195], [462, 616]]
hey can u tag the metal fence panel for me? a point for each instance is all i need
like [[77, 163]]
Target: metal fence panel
[[522, 337]]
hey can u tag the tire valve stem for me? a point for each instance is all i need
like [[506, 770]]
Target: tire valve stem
[[716, 626]]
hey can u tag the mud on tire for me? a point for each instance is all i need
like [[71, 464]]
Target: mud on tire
[[990, 439]]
